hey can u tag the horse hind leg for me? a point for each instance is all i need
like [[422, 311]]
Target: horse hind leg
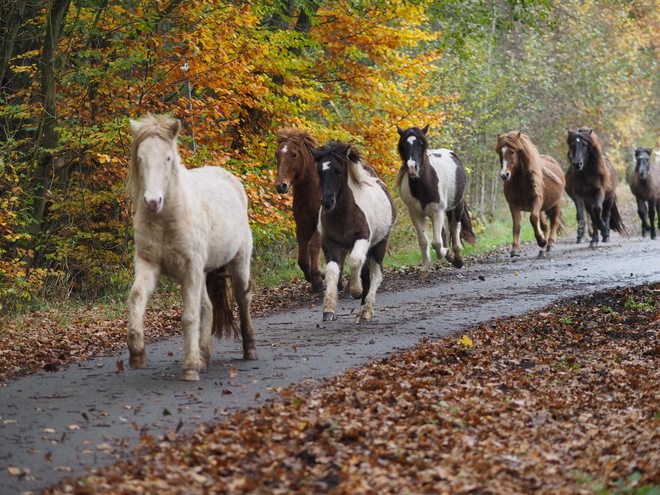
[[455, 231], [146, 278], [239, 269], [314, 250], [419, 221], [355, 262], [438, 222], [642, 211], [375, 278]]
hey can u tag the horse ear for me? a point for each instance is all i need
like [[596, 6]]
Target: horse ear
[[352, 154], [426, 129], [136, 125], [400, 131], [518, 134], [174, 127]]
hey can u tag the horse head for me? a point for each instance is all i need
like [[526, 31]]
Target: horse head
[[508, 148], [412, 148], [579, 143], [643, 161], [332, 162], [293, 153], [154, 158]]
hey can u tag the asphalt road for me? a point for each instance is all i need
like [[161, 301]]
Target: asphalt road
[[58, 425]]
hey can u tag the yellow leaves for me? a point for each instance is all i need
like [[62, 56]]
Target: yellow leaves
[[466, 341]]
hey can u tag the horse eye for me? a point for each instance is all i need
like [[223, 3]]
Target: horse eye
[[338, 172], [295, 155]]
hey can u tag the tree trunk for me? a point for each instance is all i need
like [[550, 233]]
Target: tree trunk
[[48, 136], [11, 17]]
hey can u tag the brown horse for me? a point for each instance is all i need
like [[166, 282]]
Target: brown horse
[[533, 183], [296, 169], [591, 182], [645, 185]]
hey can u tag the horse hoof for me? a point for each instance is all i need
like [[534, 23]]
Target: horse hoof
[[190, 376], [364, 315], [329, 316], [593, 244], [551, 247], [424, 273], [250, 355], [137, 360], [606, 239], [515, 253], [542, 243], [318, 287], [458, 262], [542, 254]]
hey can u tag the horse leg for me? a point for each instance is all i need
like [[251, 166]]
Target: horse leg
[[190, 321], [304, 255], [419, 221], [374, 272], [515, 215], [537, 221], [579, 215], [333, 256], [314, 249], [205, 327], [554, 215], [239, 268], [455, 231], [605, 213], [146, 278], [655, 208], [642, 212], [446, 239], [355, 261], [438, 222]]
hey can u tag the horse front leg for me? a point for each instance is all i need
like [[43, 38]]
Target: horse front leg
[[334, 257], [373, 272], [515, 245], [455, 232], [190, 321], [419, 221], [146, 278], [314, 250], [355, 262], [538, 223], [642, 212], [438, 222], [580, 218], [554, 215]]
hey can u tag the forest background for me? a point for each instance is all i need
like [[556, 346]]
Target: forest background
[[73, 72]]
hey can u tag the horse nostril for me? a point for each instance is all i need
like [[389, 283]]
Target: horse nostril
[[282, 188]]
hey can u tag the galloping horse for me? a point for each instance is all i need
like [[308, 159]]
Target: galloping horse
[[533, 183], [645, 185], [296, 169], [192, 226], [432, 183], [356, 217], [591, 182]]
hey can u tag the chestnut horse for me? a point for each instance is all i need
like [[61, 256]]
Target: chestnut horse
[[645, 185], [591, 182], [296, 170], [357, 214], [433, 183], [533, 183]]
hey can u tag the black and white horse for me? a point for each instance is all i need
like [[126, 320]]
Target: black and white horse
[[356, 216], [432, 183]]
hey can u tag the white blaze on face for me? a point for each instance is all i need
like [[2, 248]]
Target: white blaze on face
[[505, 164], [411, 163], [285, 149], [325, 166]]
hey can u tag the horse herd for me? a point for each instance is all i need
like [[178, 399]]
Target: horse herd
[[192, 225]]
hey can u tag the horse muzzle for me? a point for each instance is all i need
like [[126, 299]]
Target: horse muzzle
[[282, 188], [413, 169], [328, 203], [154, 205], [505, 175], [578, 165]]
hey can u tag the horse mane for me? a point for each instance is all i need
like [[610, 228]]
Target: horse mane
[[358, 170], [596, 155], [529, 156], [298, 136], [162, 126]]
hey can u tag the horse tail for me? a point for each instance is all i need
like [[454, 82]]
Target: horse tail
[[467, 232], [217, 286], [616, 223]]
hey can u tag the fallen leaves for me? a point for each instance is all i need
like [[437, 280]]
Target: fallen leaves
[[562, 402]]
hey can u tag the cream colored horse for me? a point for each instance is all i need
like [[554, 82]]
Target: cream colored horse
[[191, 226]]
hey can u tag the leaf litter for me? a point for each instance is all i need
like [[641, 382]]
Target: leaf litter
[[562, 401]]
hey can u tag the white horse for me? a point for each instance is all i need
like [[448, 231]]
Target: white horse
[[433, 183], [191, 226]]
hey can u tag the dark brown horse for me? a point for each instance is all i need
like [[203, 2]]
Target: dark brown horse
[[533, 183], [645, 185], [356, 217], [591, 182], [296, 169]]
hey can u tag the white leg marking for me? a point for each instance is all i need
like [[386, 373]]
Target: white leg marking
[[331, 279], [438, 221], [355, 262]]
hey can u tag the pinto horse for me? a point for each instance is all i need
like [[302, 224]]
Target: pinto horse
[[296, 170], [432, 183], [356, 217], [533, 183], [591, 182], [645, 185], [192, 226]]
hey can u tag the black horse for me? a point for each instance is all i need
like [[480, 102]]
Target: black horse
[[645, 185]]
